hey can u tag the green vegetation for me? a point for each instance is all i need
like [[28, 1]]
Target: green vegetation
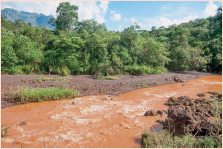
[[201, 95], [111, 78], [4, 131], [43, 79], [87, 47], [163, 139], [26, 95], [207, 136]]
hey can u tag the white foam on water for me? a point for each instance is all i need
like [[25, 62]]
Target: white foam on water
[[86, 121]]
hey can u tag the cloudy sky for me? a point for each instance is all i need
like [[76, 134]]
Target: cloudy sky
[[118, 15]]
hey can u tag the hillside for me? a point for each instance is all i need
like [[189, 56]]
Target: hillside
[[40, 19]]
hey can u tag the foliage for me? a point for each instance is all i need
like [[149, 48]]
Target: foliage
[[41, 79], [111, 78], [26, 95], [163, 139], [87, 47]]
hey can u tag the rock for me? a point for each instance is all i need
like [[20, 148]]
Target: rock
[[151, 113], [159, 112], [107, 98], [165, 112], [179, 79], [183, 100], [172, 99], [160, 121], [72, 103], [3, 132], [21, 123], [180, 118], [168, 103]]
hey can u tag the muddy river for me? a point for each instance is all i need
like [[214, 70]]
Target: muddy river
[[89, 121]]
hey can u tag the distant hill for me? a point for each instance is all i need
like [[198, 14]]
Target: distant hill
[[40, 19]]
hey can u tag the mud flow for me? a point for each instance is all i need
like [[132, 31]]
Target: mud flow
[[91, 121]]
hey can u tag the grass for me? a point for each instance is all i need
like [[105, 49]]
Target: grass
[[212, 138], [43, 79], [111, 78], [26, 95], [5, 130], [163, 139]]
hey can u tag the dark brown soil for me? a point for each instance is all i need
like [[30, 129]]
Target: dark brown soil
[[194, 115], [89, 85]]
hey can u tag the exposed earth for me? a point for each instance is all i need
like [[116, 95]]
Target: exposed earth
[[89, 85]]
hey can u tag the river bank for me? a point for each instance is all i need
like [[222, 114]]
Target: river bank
[[88, 84], [90, 121]]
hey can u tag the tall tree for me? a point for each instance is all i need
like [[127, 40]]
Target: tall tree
[[67, 17]]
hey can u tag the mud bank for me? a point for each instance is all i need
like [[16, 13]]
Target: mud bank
[[87, 85]]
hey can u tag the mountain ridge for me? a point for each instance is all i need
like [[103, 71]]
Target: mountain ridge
[[41, 20]]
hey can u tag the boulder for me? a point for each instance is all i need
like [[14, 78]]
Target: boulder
[[21, 123], [160, 121], [179, 118], [151, 113], [179, 79], [160, 112], [172, 99]]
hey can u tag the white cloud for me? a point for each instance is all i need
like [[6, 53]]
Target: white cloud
[[163, 21], [87, 9], [210, 10], [120, 27], [116, 16], [133, 20]]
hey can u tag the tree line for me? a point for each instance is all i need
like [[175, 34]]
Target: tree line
[[87, 47]]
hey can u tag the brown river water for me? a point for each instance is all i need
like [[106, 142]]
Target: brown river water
[[116, 123]]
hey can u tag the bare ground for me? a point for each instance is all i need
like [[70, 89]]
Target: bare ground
[[89, 85]]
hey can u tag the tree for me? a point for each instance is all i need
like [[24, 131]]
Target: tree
[[67, 16]]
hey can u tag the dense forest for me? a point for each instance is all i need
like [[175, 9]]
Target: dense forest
[[87, 47]]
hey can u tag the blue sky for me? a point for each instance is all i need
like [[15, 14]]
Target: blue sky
[[118, 15]]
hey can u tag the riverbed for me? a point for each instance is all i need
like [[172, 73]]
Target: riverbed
[[89, 121]]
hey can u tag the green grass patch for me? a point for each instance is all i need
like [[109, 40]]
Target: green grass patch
[[163, 139], [43, 79], [26, 95], [111, 78], [201, 95]]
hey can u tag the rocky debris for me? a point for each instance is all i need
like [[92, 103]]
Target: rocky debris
[[3, 130], [151, 113], [160, 112], [172, 99], [72, 103], [184, 100], [192, 115], [179, 79], [109, 97], [165, 112], [201, 95], [160, 121], [21, 123], [179, 118], [168, 103], [213, 93]]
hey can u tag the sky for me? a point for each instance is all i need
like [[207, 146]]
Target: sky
[[117, 15]]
